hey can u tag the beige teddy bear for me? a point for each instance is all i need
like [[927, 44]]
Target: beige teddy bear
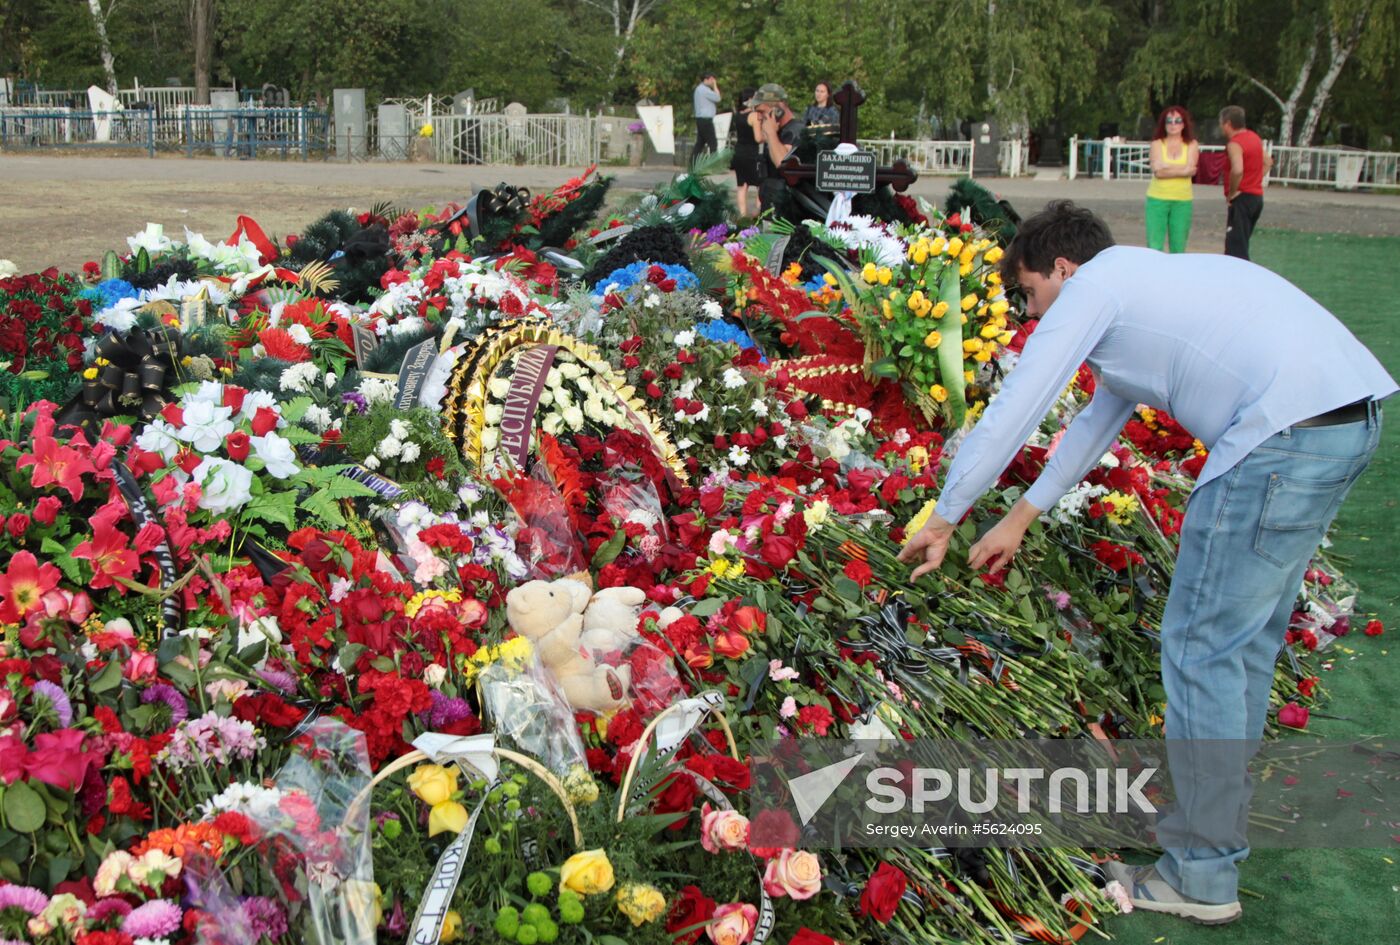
[[610, 622], [550, 615]]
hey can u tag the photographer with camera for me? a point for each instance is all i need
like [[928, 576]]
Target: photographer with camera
[[778, 132]]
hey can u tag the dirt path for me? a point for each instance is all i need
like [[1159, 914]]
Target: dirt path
[[64, 209]]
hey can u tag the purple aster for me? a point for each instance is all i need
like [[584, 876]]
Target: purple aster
[[155, 919], [357, 400], [106, 909], [164, 692], [278, 679], [28, 898], [717, 233], [266, 918], [57, 698]]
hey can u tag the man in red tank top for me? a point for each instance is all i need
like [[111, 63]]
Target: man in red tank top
[[1244, 182]]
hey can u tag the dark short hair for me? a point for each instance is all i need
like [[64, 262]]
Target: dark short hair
[[706, 75], [1062, 229], [1233, 116]]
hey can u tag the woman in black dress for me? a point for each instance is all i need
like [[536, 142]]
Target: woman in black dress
[[746, 163]]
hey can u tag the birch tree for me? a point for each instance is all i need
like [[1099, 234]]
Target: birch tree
[[100, 16]]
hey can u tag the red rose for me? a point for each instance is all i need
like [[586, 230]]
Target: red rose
[[1293, 715], [237, 445], [882, 893], [689, 915], [188, 460], [749, 620], [17, 525], [778, 550], [732, 773], [264, 421], [796, 409], [233, 397], [1374, 628], [770, 832], [58, 758], [711, 501], [173, 415], [731, 644], [678, 797], [1306, 686], [805, 936]]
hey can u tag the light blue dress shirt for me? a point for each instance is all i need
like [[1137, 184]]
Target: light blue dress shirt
[[705, 101], [1231, 350]]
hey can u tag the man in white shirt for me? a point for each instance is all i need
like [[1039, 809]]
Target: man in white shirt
[[1287, 401], [706, 102]]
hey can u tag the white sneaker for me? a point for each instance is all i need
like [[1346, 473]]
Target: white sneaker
[[1149, 891]]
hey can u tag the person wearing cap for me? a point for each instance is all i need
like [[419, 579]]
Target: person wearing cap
[[706, 101], [778, 132]]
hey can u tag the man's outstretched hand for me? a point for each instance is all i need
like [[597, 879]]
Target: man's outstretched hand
[[929, 544]]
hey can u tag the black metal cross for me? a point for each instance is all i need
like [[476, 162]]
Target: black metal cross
[[899, 175]]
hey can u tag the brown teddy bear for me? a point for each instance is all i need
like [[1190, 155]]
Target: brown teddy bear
[[550, 615]]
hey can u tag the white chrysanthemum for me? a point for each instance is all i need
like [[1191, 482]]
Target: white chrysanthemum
[[684, 339], [738, 455], [733, 378], [299, 377]]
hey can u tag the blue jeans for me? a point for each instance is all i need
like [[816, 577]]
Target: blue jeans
[[1247, 539]]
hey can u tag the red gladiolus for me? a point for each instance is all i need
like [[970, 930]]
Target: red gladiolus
[[56, 465], [23, 586], [108, 553]]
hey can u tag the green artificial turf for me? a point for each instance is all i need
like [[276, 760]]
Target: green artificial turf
[[1348, 897]]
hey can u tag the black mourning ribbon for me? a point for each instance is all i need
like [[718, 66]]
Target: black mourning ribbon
[[885, 634], [140, 371]]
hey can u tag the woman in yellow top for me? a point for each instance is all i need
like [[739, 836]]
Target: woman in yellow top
[[1174, 156]]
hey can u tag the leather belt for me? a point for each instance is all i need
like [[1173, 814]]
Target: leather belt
[[1351, 413]]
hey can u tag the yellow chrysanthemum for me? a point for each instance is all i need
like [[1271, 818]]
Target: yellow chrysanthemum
[[917, 522]]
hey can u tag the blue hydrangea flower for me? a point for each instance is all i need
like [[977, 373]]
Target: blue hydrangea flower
[[110, 292], [721, 331], [620, 280]]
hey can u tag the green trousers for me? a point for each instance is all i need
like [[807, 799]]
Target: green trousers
[[1168, 219]]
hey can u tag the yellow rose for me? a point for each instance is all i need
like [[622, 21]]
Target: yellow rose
[[969, 301], [885, 307], [1000, 307], [433, 783], [940, 310], [587, 873], [989, 331], [938, 392], [968, 376], [869, 273], [447, 816], [933, 339], [919, 254], [451, 927], [955, 246], [938, 245], [641, 902], [972, 345], [993, 255]]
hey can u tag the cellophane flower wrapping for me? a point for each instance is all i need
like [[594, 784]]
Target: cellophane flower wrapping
[[525, 708]]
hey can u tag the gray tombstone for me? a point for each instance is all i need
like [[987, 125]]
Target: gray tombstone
[[395, 132], [464, 103], [350, 124], [986, 148], [224, 127]]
